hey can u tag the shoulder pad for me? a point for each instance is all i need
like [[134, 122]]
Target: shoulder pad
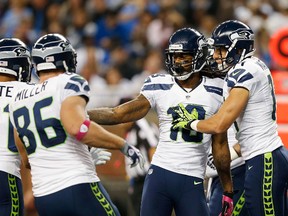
[[158, 82], [159, 78]]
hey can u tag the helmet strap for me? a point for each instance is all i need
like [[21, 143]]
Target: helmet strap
[[242, 56], [20, 74], [65, 66]]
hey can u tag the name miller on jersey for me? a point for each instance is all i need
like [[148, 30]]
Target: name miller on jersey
[[26, 93]]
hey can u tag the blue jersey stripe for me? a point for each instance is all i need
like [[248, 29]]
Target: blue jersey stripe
[[157, 87], [246, 77], [78, 79], [231, 82], [86, 87], [72, 86], [214, 89]]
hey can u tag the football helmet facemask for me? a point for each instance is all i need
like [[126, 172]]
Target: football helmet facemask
[[15, 59], [185, 41], [236, 38], [54, 51]]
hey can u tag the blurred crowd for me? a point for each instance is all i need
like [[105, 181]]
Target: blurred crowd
[[120, 42]]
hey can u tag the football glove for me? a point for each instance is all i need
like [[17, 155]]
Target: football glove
[[210, 161], [227, 204], [184, 117], [134, 155], [100, 156]]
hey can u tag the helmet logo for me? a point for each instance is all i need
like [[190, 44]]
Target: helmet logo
[[246, 35], [21, 51], [64, 45]]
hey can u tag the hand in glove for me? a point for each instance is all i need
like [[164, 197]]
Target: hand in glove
[[184, 117], [134, 155], [227, 204], [100, 156]]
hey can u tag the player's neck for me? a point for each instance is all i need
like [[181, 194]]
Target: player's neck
[[48, 74], [192, 82], [7, 78]]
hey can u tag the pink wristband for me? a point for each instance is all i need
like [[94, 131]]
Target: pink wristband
[[83, 130]]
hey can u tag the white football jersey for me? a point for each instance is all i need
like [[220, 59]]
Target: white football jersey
[[57, 160], [9, 157], [211, 171], [182, 151], [256, 126]]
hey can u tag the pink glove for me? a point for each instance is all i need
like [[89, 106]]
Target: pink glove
[[227, 204]]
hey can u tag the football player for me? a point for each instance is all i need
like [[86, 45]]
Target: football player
[[175, 178], [54, 131], [250, 101], [15, 72]]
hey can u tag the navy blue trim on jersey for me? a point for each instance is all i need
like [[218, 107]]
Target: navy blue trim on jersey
[[246, 77], [86, 88], [232, 83], [214, 89], [157, 87], [72, 86], [147, 80], [236, 73], [78, 79], [238, 76]]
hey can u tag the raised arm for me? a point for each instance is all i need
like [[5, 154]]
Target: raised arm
[[130, 111]]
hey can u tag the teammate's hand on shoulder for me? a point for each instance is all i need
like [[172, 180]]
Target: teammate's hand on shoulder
[[134, 155], [100, 156], [227, 204]]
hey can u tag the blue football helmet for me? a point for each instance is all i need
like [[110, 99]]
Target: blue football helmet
[[15, 59], [185, 41], [54, 51], [237, 38]]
